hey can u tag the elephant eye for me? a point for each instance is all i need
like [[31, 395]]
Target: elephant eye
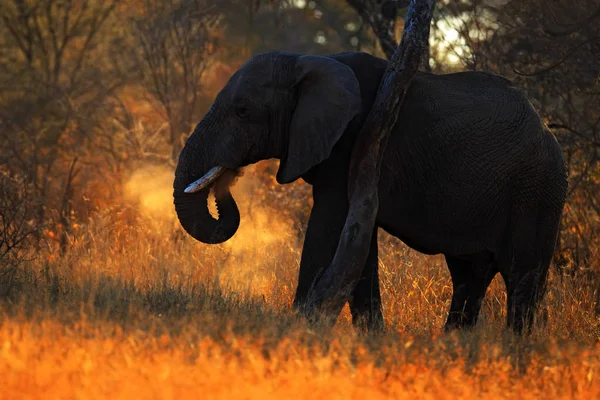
[[242, 112]]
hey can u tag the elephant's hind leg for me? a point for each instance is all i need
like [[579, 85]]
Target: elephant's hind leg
[[470, 281], [532, 246]]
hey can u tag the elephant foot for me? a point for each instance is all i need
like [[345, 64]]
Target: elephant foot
[[368, 324], [459, 321], [313, 316]]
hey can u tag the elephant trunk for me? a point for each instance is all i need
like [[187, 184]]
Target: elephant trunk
[[192, 206]]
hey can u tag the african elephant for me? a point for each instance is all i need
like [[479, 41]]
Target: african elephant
[[469, 171]]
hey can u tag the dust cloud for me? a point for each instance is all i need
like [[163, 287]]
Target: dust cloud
[[253, 260], [152, 188], [264, 251]]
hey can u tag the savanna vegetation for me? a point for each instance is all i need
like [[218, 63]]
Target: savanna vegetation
[[103, 295]]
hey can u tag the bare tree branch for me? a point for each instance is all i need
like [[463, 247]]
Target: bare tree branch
[[381, 16], [177, 46]]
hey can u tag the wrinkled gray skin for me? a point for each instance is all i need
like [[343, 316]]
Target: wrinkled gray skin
[[469, 171]]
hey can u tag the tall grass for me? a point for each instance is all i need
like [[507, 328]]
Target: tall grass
[[138, 309]]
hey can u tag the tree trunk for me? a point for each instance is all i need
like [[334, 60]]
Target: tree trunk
[[381, 16], [333, 289]]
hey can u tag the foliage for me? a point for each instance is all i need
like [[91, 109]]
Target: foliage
[[56, 80]]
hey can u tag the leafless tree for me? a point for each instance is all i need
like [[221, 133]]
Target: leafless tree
[[177, 40], [16, 227], [53, 88]]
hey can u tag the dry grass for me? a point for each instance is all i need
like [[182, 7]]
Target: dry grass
[[137, 310]]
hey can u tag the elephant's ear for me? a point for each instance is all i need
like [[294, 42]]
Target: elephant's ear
[[328, 99]]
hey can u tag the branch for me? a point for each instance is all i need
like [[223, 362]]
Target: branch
[[381, 16], [592, 141], [574, 27], [551, 67], [332, 290]]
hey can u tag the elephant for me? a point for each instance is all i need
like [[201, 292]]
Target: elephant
[[469, 171]]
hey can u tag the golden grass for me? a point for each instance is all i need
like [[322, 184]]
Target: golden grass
[[48, 360], [137, 310]]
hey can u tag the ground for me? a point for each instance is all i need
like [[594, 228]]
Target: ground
[[135, 309]]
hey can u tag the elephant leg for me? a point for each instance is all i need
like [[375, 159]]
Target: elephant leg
[[532, 246], [365, 304], [317, 253], [523, 288], [324, 228], [325, 225], [470, 281]]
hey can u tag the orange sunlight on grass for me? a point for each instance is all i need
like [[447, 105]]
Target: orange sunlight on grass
[[136, 309], [49, 360]]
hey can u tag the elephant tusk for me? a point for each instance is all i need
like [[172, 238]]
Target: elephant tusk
[[206, 180]]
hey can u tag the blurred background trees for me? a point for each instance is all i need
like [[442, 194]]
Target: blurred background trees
[[93, 90], [177, 42]]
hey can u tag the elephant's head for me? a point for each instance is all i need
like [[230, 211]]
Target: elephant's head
[[278, 105]]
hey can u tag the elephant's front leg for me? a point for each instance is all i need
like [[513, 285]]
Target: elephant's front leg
[[322, 236], [318, 250]]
